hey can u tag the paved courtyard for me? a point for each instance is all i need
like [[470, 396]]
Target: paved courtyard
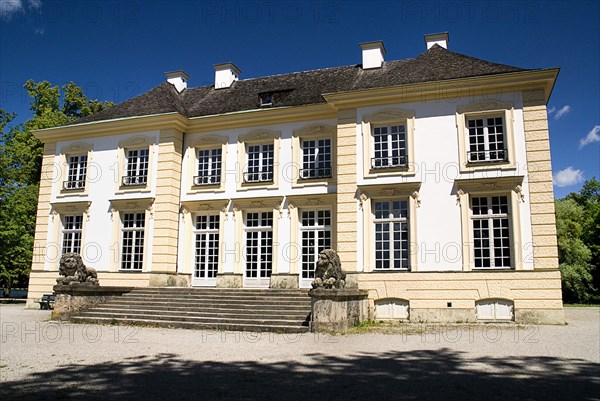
[[43, 360]]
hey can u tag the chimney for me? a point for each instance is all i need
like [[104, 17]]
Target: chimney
[[372, 54], [225, 75], [178, 79], [437, 39]]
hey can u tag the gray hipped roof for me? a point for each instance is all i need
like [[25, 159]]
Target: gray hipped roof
[[301, 88]]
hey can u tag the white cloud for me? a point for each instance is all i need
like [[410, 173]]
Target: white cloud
[[591, 137], [8, 8], [551, 110], [562, 112], [568, 176]]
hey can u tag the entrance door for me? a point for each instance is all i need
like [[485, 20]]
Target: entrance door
[[315, 236], [259, 249], [206, 250]]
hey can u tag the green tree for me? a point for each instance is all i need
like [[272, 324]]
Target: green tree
[[573, 254], [20, 168]]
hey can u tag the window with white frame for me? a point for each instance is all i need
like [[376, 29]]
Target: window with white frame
[[487, 141], [77, 171], [132, 247], [316, 159], [389, 147], [209, 166], [206, 257], [260, 163], [259, 244], [315, 233], [391, 235], [136, 168], [71, 233], [491, 232]]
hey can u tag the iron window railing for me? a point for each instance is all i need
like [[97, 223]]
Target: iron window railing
[[483, 156], [258, 177], [389, 162], [131, 180], [310, 173], [74, 184], [207, 179]]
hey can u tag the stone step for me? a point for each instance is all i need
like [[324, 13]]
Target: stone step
[[196, 326], [201, 311], [206, 308], [193, 319], [252, 303]]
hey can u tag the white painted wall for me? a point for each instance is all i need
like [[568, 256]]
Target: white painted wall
[[104, 174], [437, 159]]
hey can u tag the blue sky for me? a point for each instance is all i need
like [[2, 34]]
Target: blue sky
[[119, 49]]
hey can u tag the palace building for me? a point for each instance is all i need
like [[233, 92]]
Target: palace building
[[430, 176]]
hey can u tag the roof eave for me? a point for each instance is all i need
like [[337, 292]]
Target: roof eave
[[517, 81], [113, 126]]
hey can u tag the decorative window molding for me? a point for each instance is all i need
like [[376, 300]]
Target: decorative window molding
[[75, 160], [61, 210], [203, 184], [258, 179], [511, 187], [189, 211], [386, 121], [322, 176], [120, 207], [140, 177], [240, 208], [369, 195], [491, 157]]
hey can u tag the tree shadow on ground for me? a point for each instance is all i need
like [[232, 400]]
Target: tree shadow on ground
[[416, 375]]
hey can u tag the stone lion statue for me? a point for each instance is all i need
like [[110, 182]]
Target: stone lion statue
[[74, 271], [329, 273]]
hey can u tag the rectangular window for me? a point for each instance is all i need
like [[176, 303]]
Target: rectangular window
[[209, 167], [389, 147], [315, 233], [71, 234], [259, 244], [316, 159], [77, 171], [391, 235], [132, 249], [136, 172], [206, 234], [261, 159], [486, 140], [491, 232]]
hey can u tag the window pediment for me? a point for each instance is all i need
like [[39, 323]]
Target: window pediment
[[208, 140], [485, 105], [259, 135], [135, 141], [315, 130], [78, 147], [388, 116]]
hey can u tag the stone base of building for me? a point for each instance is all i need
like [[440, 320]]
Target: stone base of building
[[284, 281], [334, 310], [230, 280], [169, 280], [71, 299]]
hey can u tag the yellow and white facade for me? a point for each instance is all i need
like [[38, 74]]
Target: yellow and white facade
[[436, 195]]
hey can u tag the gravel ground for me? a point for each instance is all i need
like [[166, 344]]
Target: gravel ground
[[45, 360]]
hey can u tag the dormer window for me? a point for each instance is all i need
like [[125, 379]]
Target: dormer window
[[266, 99]]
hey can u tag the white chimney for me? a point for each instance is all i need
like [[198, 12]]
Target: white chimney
[[441, 39], [225, 75], [178, 79], [372, 54]]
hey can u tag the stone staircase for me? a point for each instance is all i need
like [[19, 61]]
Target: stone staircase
[[285, 311]]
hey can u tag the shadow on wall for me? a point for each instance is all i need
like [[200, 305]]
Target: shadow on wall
[[424, 375]]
